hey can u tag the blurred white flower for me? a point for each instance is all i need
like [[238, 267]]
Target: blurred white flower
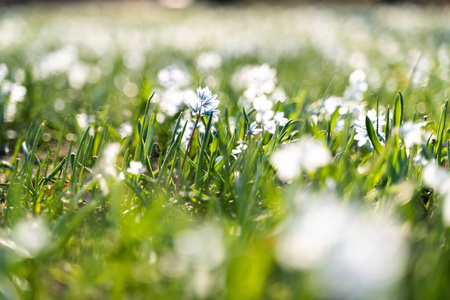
[[357, 86], [171, 101], [278, 94], [420, 158], [172, 77], [278, 119], [239, 148], [32, 235], [208, 61], [3, 72], [135, 168], [108, 161], [57, 62], [436, 177], [78, 75], [84, 120], [307, 155], [412, 133], [350, 253], [125, 130], [202, 247], [258, 79]]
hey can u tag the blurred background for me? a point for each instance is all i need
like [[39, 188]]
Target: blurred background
[[185, 3]]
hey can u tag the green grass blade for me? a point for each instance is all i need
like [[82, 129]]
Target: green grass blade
[[373, 136]]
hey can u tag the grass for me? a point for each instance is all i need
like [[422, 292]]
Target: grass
[[89, 204]]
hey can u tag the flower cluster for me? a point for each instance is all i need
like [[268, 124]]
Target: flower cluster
[[205, 103], [261, 93]]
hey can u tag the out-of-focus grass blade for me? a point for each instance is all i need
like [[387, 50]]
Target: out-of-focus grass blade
[[440, 133], [201, 157], [73, 179], [172, 148], [399, 164]]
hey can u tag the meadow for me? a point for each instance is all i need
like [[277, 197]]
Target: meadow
[[238, 152]]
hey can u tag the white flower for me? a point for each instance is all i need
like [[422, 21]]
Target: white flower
[[259, 79], [358, 85], [171, 100], [3, 72], [436, 177], [412, 133], [241, 147], [31, 235], [125, 130], [278, 119], [361, 131], [135, 168], [205, 103], [107, 164], [350, 253], [420, 158], [172, 77], [253, 129], [208, 61], [307, 155]]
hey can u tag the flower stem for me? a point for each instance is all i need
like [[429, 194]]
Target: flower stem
[[188, 149]]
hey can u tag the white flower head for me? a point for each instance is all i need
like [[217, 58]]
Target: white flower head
[[32, 235], [172, 77], [361, 131], [107, 164], [357, 86], [436, 177], [239, 148], [412, 133], [257, 79], [208, 61], [351, 253], [253, 129], [307, 155], [135, 168], [205, 103], [278, 119]]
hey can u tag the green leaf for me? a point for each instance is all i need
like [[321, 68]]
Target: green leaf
[[398, 110], [201, 157], [440, 133], [373, 136], [387, 128]]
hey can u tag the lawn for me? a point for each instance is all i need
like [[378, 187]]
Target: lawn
[[237, 152]]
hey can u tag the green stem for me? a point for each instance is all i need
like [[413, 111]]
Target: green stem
[[188, 149]]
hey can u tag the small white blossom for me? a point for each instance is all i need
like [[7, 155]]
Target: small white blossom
[[208, 61], [205, 103], [412, 133], [172, 77], [307, 155], [31, 235], [278, 119], [357, 87], [253, 129], [241, 147], [135, 168], [361, 131]]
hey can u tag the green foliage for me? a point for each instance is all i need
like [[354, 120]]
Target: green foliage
[[91, 210]]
